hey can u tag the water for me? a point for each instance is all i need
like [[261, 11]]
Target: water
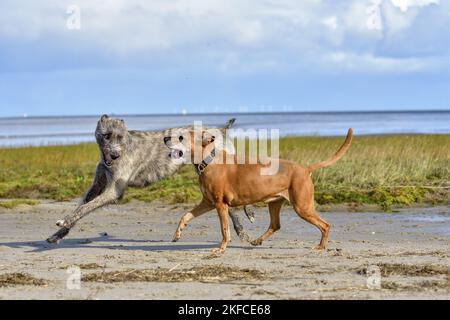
[[436, 219], [68, 130]]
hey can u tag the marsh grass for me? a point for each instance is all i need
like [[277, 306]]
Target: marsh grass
[[56, 172], [383, 170]]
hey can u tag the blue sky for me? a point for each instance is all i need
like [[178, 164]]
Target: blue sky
[[170, 56]]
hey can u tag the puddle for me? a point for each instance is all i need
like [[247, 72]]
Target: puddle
[[438, 223], [432, 218]]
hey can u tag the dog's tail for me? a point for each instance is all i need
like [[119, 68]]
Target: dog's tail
[[336, 156]]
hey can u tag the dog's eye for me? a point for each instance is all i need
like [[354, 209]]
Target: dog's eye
[[180, 138], [119, 137], [107, 136]]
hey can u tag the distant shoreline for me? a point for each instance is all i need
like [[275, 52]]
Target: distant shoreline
[[68, 130], [92, 141], [226, 113]]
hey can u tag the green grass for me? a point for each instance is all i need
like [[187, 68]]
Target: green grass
[[383, 170], [9, 204]]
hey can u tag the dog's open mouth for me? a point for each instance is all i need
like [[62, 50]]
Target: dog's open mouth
[[175, 154], [107, 163]]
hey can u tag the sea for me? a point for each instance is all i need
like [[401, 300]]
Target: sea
[[38, 131]]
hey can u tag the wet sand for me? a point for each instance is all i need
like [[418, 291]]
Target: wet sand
[[125, 252]]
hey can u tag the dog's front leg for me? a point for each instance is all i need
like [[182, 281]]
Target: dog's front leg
[[202, 208], [98, 185], [110, 195], [222, 210], [68, 222]]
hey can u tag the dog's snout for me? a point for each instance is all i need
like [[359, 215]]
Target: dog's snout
[[115, 156], [167, 139]]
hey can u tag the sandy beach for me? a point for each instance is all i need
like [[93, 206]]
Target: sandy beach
[[125, 252]]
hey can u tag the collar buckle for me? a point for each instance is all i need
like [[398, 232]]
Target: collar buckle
[[202, 166]]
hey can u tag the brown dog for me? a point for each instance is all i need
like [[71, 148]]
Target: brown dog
[[225, 185]]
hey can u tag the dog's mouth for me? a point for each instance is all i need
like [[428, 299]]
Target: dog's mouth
[[175, 154], [108, 163]]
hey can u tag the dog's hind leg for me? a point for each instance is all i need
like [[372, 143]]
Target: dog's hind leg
[[274, 210], [237, 225], [302, 198], [310, 215], [202, 208]]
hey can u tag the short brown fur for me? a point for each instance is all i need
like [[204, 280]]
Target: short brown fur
[[233, 185]]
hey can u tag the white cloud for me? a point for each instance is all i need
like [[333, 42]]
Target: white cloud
[[236, 35], [369, 62], [404, 5], [373, 11], [249, 32], [331, 22]]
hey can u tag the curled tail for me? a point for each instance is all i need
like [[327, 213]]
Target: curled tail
[[336, 156]]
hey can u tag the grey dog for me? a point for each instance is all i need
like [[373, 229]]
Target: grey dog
[[128, 158]]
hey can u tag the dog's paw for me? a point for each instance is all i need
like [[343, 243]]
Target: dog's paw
[[244, 236], [61, 233], [256, 242], [53, 239], [217, 251], [319, 248], [176, 237]]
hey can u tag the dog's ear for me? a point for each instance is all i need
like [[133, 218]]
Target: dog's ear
[[208, 138], [104, 117], [229, 123]]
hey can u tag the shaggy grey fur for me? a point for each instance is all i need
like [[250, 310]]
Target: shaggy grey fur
[[128, 158]]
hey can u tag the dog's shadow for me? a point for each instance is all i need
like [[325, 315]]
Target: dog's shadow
[[95, 243]]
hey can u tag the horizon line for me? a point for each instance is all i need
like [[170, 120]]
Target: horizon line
[[26, 116]]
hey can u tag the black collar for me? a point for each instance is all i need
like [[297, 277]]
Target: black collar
[[199, 168]]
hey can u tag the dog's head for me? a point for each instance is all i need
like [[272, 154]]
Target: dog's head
[[193, 145], [177, 140], [111, 135]]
